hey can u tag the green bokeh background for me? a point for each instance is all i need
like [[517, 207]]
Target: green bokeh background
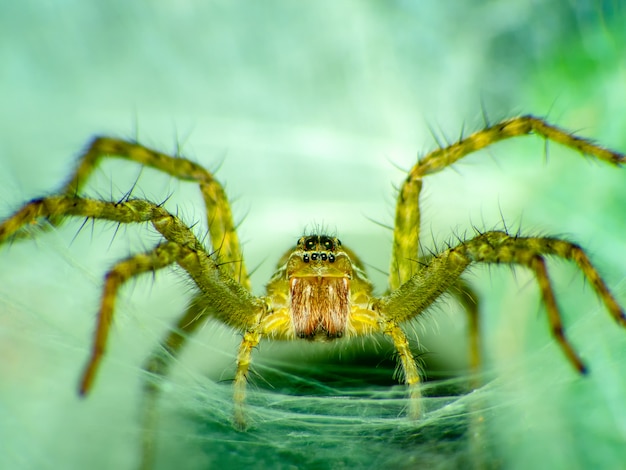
[[309, 112]]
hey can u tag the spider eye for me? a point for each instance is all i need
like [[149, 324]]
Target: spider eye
[[314, 256], [305, 258], [310, 243], [327, 243]]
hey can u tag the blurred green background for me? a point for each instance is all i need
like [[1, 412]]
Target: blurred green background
[[310, 113]]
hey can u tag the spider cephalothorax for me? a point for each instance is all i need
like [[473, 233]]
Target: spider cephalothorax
[[319, 291]]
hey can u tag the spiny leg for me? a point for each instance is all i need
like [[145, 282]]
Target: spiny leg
[[220, 221], [408, 366], [230, 302], [408, 301], [250, 341], [498, 247], [158, 258], [407, 220], [468, 300], [131, 211]]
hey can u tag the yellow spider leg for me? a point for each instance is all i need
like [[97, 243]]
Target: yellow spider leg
[[408, 365], [412, 298], [231, 303], [498, 247], [250, 341], [160, 257], [538, 265], [220, 220], [407, 221], [135, 210]]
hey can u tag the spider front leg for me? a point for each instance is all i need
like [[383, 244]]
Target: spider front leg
[[407, 219]]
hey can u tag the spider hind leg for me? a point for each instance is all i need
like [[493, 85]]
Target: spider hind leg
[[499, 247], [442, 273]]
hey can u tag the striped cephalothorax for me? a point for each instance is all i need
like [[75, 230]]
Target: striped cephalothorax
[[319, 291]]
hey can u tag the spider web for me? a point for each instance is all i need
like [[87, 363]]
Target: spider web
[[325, 416], [347, 412]]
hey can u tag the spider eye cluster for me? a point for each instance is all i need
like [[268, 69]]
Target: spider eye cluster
[[318, 247], [315, 256]]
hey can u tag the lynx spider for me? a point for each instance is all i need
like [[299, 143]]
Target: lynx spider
[[319, 291]]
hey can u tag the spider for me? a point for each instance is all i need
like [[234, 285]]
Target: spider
[[320, 291]]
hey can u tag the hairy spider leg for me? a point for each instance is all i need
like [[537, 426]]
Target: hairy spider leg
[[498, 247], [222, 229], [157, 258], [408, 366], [407, 219], [181, 247], [250, 341]]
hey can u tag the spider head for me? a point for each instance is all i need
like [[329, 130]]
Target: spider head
[[319, 273]]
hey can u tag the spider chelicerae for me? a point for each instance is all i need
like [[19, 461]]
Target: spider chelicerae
[[320, 291]]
